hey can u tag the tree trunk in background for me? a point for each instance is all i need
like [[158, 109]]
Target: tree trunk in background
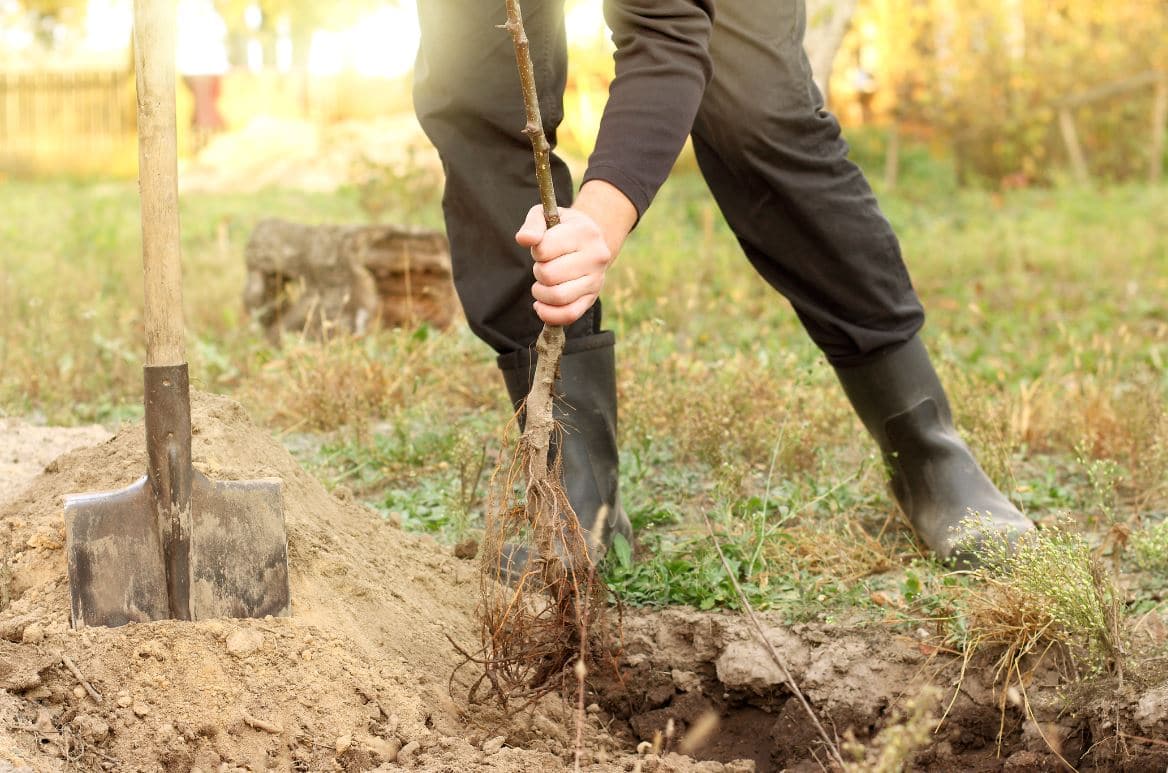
[[827, 23]]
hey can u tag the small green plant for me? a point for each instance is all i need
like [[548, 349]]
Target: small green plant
[[682, 570], [1047, 589], [1104, 477], [1149, 547]]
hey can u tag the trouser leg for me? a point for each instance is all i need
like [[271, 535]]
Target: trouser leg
[[778, 168], [807, 220], [468, 101]]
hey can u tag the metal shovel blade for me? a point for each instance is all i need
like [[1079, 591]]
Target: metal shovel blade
[[176, 544], [116, 571], [238, 553]]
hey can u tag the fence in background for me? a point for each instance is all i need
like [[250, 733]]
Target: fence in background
[[84, 121], [81, 121]]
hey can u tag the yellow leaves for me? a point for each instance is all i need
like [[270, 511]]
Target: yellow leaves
[[990, 73]]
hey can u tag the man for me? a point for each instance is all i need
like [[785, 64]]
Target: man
[[739, 83], [201, 60]]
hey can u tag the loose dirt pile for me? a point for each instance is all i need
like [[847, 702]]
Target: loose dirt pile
[[26, 448], [358, 678]]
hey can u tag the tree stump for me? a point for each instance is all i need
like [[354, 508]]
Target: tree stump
[[321, 280]]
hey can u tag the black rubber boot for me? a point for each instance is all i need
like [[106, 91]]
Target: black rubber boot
[[585, 406], [933, 475]]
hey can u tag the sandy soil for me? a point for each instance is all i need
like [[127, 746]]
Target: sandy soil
[[26, 448], [359, 677]]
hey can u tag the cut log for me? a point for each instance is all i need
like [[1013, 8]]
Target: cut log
[[321, 280]]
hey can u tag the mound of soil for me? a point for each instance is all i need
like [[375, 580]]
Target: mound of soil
[[356, 678], [26, 448], [359, 677]]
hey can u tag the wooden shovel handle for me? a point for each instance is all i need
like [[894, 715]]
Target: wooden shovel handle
[[154, 60]]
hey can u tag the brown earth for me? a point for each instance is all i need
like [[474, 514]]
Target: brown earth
[[359, 677], [26, 448]]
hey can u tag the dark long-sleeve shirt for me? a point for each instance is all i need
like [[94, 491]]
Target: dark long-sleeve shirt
[[662, 68]]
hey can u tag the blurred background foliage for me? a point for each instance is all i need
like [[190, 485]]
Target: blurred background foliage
[[978, 83], [987, 78]]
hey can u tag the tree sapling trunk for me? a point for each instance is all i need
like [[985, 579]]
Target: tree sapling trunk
[[540, 615]]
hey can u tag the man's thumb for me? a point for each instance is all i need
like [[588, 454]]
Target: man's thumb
[[533, 228]]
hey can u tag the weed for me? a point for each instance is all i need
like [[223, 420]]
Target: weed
[[983, 415], [1103, 477], [676, 570], [1044, 484], [1046, 596], [424, 478], [1149, 547], [1047, 589], [782, 552]]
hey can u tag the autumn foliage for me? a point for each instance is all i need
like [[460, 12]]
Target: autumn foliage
[[989, 76]]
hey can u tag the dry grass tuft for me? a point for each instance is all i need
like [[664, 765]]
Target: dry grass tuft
[[1050, 597], [841, 549], [727, 410], [1049, 592], [351, 382]]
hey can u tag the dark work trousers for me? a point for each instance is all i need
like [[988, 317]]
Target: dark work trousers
[[772, 156]]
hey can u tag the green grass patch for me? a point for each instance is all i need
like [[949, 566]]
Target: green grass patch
[[1046, 320]]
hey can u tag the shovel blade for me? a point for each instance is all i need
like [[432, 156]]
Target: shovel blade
[[239, 549], [116, 569], [238, 553]]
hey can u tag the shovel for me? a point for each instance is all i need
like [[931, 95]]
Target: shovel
[[174, 545]]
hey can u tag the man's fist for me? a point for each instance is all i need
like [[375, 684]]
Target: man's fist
[[570, 262], [571, 259]]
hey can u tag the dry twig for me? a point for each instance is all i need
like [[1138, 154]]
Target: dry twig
[[259, 724], [69, 664]]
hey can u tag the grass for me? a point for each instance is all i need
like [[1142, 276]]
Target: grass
[[1046, 320], [1051, 591]]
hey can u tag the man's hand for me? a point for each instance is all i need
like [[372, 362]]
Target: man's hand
[[572, 258]]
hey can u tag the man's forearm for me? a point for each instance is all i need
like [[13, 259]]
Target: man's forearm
[[662, 68]]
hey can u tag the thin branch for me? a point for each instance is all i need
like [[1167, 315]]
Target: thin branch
[[69, 664], [550, 345], [749, 610], [534, 127]]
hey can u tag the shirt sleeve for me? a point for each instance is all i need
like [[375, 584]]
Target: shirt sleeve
[[662, 68]]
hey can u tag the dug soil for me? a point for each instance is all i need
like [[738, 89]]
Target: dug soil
[[360, 676]]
